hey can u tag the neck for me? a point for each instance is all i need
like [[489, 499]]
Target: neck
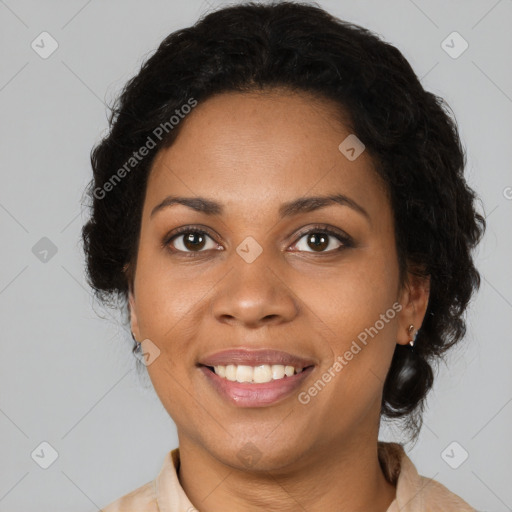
[[346, 478]]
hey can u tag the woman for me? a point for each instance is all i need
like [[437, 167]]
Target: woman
[[283, 209]]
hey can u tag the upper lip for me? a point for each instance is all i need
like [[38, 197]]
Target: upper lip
[[255, 358]]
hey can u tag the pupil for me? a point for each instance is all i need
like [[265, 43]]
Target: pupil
[[318, 241], [192, 244]]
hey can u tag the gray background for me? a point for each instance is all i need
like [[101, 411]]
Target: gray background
[[67, 376]]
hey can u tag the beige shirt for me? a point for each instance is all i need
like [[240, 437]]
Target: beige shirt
[[414, 493]]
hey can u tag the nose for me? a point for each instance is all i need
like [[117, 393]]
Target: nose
[[254, 295]]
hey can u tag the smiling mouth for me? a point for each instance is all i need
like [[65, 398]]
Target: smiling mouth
[[255, 374]]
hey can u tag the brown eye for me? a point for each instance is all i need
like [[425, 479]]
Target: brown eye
[[194, 241], [318, 241], [322, 241], [191, 241]]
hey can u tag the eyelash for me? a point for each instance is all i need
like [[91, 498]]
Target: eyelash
[[343, 238]]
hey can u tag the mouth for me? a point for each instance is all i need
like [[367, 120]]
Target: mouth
[[255, 378], [260, 374], [248, 393]]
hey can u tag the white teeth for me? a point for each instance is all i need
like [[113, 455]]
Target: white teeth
[[277, 371], [262, 373], [289, 371], [230, 372], [244, 373], [255, 374]]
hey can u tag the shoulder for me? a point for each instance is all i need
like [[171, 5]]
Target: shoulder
[[142, 499], [437, 498], [416, 493], [146, 497]]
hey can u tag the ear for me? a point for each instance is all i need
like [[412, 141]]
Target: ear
[[134, 324], [414, 300]]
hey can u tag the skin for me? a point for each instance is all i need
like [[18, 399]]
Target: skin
[[251, 152]]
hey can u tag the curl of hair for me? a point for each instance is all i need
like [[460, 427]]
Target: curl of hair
[[409, 133]]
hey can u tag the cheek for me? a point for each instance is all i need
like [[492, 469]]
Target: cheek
[[172, 307], [163, 295], [354, 295], [358, 306], [361, 345]]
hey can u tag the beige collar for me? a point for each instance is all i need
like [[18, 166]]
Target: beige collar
[[414, 493]]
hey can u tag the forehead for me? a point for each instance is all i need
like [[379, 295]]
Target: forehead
[[261, 147]]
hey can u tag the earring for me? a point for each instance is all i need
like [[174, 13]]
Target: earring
[[409, 330]]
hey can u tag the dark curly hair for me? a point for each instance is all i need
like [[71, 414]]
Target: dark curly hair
[[409, 133]]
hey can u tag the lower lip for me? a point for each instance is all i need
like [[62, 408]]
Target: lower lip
[[246, 394]]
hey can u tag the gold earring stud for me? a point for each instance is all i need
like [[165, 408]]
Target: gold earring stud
[[409, 330]]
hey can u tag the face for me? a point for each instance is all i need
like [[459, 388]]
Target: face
[[254, 272]]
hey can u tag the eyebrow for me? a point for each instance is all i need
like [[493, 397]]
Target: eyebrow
[[295, 207]]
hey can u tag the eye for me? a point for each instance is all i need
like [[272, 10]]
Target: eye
[[190, 240], [319, 239], [322, 240]]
